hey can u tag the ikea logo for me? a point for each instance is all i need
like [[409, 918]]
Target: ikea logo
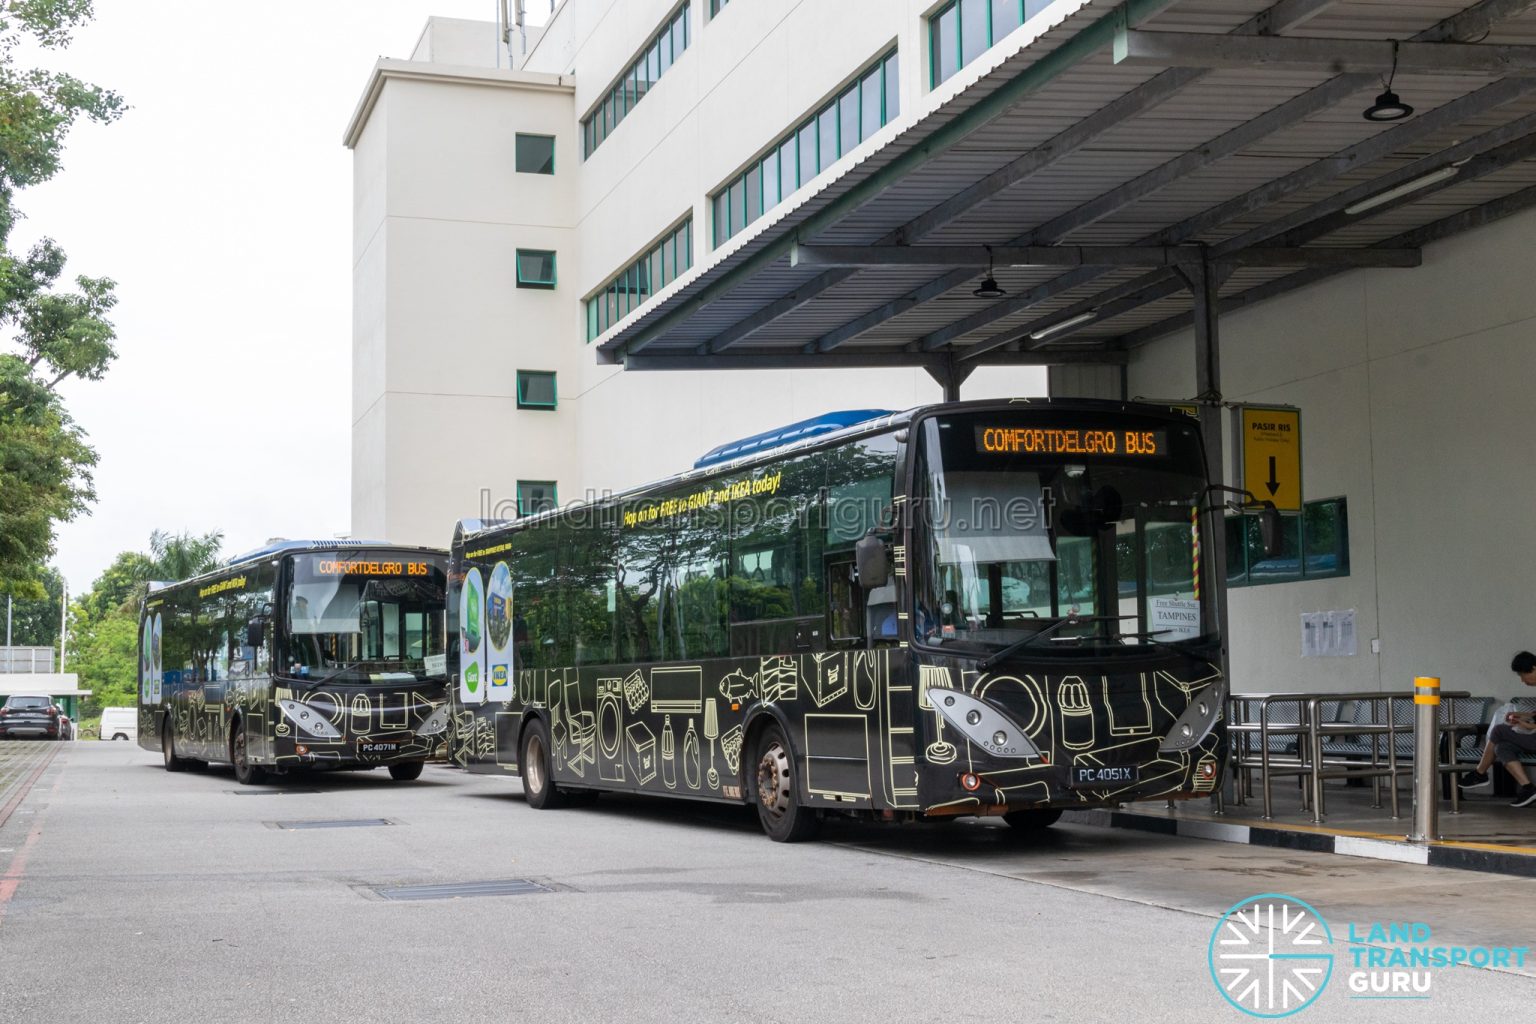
[[498, 675]]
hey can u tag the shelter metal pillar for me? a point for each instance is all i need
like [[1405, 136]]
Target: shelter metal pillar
[[950, 373], [1204, 280]]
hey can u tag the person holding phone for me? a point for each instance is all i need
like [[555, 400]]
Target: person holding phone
[[1511, 734]]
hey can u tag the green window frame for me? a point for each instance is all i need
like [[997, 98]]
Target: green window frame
[[535, 496], [963, 30], [858, 110], [642, 73], [662, 262], [1315, 545], [535, 154], [536, 389], [536, 268]]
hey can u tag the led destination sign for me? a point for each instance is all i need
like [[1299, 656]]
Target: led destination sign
[[350, 567], [997, 440]]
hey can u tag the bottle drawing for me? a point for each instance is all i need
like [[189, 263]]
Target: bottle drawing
[[1076, 715], [691, 756], [668, 755]]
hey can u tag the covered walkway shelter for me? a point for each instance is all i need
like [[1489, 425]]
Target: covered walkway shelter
[[1317, 203], [1323, 204]]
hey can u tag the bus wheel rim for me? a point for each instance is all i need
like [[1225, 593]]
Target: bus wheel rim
[[773, 780], [535, 765]]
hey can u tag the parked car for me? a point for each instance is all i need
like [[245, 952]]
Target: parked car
[[119, 724], [33, 714]]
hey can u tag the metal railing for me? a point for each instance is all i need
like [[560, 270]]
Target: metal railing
[[26, 659]]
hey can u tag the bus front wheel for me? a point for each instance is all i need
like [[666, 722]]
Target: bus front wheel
[[778, 802], [246, 773], [538, 772], [406, 771], [1032, 820]]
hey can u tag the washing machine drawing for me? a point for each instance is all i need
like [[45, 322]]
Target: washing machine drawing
[[610, 730]]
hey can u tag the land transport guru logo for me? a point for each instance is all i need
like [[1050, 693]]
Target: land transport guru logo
[[1273, 955]]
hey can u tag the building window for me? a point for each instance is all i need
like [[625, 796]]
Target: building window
[[657, 267], [1315, 545], [535, 389], [868, 103], [535, 154], [535, 496], [963, 30], [716, 6], [660, 53], [535, 268]]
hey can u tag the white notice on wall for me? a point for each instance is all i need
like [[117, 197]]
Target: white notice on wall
[[1328, 634], [1173, 618]]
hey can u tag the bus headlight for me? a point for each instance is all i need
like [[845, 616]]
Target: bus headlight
[[1197, 721], [309, 720], [982, 723], [434, 723]]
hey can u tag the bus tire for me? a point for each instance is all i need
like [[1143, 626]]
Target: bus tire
[[1034, 820], [779, 810], [246, 773], [406, 771], [537, 768], [168, 750]]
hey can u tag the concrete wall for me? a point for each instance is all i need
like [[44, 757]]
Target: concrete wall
[[440, 328], [1414, 387]]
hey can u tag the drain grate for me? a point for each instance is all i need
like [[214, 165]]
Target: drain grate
[[268, 792], [337, 823], [461, 890]]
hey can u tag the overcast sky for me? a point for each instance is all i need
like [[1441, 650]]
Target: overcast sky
[[222, 204]]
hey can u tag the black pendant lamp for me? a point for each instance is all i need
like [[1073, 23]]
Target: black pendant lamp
[[989, 288], [1388, 106]]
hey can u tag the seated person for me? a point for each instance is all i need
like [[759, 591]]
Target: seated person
[[1511, 734]]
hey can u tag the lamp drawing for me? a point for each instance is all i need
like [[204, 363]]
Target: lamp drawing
[[940, 751], [711, 730]]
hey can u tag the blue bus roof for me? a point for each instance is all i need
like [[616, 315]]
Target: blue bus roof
[[278, 547], [780, 436]]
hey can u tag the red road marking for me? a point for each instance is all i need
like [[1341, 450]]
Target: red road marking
[[12, 878]]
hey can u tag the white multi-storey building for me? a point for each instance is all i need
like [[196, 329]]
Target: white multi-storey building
[[504, 215]]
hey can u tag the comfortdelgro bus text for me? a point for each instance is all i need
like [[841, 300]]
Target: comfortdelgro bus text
[[970, 609], [302, 655]]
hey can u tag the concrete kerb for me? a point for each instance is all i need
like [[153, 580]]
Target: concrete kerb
[[1466, 856]]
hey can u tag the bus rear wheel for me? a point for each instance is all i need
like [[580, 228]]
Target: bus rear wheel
[[778, 803], [406, 771], [538, 772], [168, 750], [246, 773], [1033, 820]]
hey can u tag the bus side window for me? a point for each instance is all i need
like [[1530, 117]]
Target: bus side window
[[845, 605]]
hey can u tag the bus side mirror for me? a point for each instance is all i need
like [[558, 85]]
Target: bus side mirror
[[255, 632], [872, 562], [1269, 531]]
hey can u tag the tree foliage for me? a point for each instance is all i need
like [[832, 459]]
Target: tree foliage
[[35, 621], [52, 334]]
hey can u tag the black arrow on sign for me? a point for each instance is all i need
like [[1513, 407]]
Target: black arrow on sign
[[1273, 484]]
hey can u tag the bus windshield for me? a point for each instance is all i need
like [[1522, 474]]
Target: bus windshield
[[364, 618], [1065, 529]]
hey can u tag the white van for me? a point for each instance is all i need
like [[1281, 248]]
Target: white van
[[120, 724]]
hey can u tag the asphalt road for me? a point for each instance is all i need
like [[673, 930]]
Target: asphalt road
[[129, 894]]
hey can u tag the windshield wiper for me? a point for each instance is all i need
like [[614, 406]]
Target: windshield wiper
[[1068, 620]]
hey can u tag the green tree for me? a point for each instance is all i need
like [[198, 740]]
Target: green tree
[[45, 462], [177, 556], [35, 621]]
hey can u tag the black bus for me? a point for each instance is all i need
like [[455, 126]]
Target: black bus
[[986, 608], [300, 655]]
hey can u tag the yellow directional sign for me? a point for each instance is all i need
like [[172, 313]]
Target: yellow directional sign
[[1271, 446]]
